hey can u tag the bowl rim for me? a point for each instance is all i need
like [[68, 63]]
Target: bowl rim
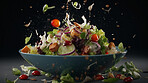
[[71, 56]]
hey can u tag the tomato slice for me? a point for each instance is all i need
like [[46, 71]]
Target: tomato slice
[[55, 23], [94, 37]]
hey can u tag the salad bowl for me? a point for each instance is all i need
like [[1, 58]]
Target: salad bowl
[[75, 65]]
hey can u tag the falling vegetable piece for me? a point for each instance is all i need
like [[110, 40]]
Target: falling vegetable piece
[[45, 8], [28, 38], [76, 5], [27, 25], [55, 23], [16, 71]]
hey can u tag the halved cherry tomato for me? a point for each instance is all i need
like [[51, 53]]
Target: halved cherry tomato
[[55, 23], [118, 76], [67, 43], [23, 77], [98, 77], [128, 79], [36, 73], [94, 37]]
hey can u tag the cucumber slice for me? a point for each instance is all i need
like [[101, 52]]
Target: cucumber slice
[[66, 50]]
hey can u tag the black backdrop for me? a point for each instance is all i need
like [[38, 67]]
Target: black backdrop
[[131, 15]]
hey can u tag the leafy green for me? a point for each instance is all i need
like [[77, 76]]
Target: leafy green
[[87, 26], [55, 81], [94, 30], [42, 72], [32, 68], [16, 71], [28, 38], [83, 35], [67, 79], [110, 80], [121, 47], [9, 81], [101, 33], [48, 74], [101, 41], [55, 31], [47, 51], [45, 8]]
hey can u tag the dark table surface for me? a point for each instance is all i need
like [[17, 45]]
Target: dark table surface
[[139, 58]]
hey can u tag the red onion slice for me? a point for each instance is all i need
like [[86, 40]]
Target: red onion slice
[[67, 53], [66, 28], [76, 30], [67, 32]]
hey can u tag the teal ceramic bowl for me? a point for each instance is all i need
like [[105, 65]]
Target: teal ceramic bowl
[[75, 65]]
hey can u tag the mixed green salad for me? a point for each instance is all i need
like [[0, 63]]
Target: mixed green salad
[[73, 39]]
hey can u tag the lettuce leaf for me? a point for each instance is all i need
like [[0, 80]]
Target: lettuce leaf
[[27, 39]]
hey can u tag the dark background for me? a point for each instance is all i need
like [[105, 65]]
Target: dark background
[[131, 15]]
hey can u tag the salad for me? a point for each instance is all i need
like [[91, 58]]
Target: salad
[[72, 39]]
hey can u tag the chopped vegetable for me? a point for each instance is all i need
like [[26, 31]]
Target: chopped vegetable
[[94, 38], [27, 39], [121, 47], [67, 79], [76, 5], [16, 71], [26, 49]]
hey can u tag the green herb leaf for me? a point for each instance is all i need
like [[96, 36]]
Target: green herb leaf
[[114, 56], [82, 35], [110, 80], [9, 81], [67, 79], [42, 72], [16, 71], [121, 47], [27, 39]]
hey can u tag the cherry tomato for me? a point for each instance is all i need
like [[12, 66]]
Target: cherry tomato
[[118, 76], [128, 79], [36, 73], [94, 38], [23, 77], [55, 23], [98, 77], [67, 43], [106, 53]]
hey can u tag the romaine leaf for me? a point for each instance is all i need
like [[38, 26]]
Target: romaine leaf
[[16, 71]]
